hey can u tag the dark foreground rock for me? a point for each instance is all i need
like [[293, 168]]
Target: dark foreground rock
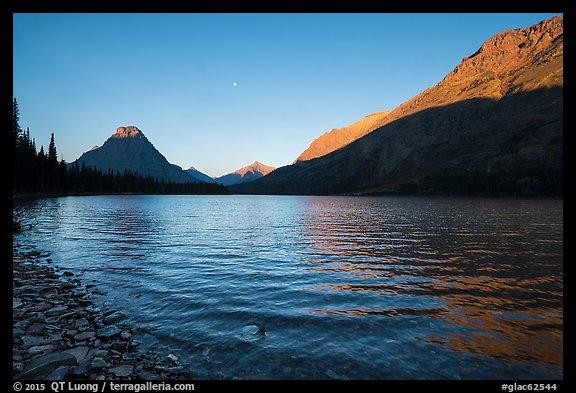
[[60, 334]]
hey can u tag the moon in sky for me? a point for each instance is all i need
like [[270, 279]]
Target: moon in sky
[[235, 84]]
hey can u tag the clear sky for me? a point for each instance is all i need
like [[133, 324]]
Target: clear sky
[[172, 75]]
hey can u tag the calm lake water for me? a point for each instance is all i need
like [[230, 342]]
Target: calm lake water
[[346, 287]]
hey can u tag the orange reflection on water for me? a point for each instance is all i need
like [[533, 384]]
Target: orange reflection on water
[[490, 292], [496, 326]]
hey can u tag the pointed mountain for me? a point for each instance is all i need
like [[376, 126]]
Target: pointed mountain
[[199, 176], [129, 150], [492, 126], [249, 173]]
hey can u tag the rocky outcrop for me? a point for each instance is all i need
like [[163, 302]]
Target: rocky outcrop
[[492, 126], [246, 174], [128, 132], [129, 150]]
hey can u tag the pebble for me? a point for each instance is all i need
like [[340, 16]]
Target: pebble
[[122, 371], [108, 332], [56, 311], [79, 352], [84, 336], [98, 363], [43, 307], [81, 322], [126, 336], [116, 316], [36, 329]]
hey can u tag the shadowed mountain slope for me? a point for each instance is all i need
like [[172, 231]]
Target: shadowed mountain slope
[[129, 150], [493, 126]]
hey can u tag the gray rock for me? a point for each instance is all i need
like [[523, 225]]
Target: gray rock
[[67, 315], [52, 319], [99, 353], [28, 289], [59, 374], [43, 366], [122, 371], [39, 349], [56, 311], [81, 322], [119, 345], [148, 376], [84, 336], [114, 317], [173, 358], [49, 292], [98, 363], [78, 352], [108, 332], [125, 336], [36, 329], [253, 332], [43, 307], [17, 367], [53, 328], [31, 341], [83, 366]]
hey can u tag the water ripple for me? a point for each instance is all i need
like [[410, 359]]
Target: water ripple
[[377, 288]]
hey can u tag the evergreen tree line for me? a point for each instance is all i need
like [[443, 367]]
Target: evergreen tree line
[[40, 172]]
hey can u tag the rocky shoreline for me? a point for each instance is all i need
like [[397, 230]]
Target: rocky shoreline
[[59, 333]]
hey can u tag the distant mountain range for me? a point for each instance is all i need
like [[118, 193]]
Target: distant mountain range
[[129, 150], [492, 126], [246, 174]]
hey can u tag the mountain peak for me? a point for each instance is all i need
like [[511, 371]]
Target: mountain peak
[[129, 150], [128, 132], [510, 52], [256, 166], [248, 173]]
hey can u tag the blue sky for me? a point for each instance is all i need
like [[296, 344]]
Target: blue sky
[[172, 75]]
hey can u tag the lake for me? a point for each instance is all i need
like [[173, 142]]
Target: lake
[[345, 287]]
